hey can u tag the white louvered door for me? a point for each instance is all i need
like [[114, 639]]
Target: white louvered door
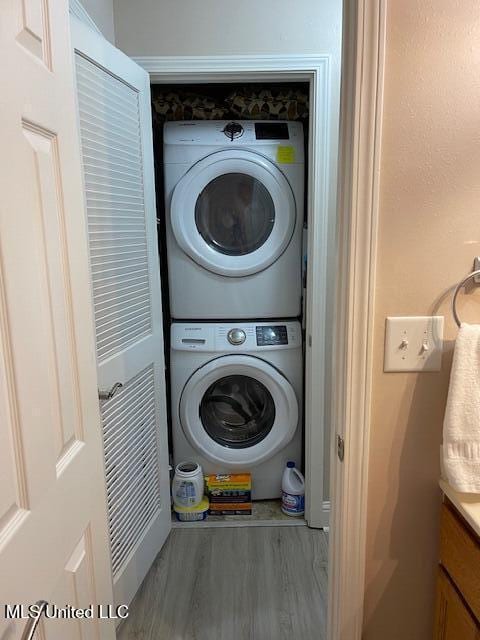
[[116, 139]]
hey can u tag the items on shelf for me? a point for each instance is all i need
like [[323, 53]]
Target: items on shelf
[[229, 494], [248, 102], [187, 485], [293, 491], [192, 514]]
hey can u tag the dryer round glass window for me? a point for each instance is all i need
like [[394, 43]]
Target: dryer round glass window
[[237, 411], [235, 214]]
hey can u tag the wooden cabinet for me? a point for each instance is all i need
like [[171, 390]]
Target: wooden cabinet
[[457, 615]]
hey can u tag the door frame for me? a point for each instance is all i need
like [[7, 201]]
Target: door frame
[[357, 214], [322, 155], [363, 59], [361, 111]]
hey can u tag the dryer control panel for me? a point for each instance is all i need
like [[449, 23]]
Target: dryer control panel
[[271, 131], [237, 133], [236, 337]]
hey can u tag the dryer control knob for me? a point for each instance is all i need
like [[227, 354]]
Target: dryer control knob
[[236, 336], [233, 130]]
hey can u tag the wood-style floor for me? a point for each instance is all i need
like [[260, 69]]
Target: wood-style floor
[[248, 583]]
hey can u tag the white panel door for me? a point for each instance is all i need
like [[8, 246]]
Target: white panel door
[[53, 521], [116, 139]]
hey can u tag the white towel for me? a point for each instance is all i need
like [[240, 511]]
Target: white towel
[[461, 427]]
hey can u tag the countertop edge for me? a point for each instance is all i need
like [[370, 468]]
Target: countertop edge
[[467, 504]]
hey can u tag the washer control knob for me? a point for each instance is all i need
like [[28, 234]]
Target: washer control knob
[[233, 130], [236, 336]]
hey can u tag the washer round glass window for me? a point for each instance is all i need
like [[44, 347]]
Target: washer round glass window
[[235, 214], [237, 411]]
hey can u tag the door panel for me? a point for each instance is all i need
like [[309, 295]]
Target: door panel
[[116, 210], [34, 29], [131, 463], [115, 127], [52, 487], [54, 261], [76, 583]]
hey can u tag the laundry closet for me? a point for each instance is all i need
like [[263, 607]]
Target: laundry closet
[[199, 299], [230, 202]]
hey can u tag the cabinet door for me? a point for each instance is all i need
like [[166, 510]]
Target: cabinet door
[[453, 621]]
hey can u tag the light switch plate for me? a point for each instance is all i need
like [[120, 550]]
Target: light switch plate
[[413, 343]]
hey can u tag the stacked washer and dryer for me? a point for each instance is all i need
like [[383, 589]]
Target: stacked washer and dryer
[[234, 195]]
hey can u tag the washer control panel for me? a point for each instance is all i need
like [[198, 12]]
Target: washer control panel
[[236, 338], [271, 335]]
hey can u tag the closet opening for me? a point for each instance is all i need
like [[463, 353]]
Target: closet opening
[[232, 181], [245, 227]]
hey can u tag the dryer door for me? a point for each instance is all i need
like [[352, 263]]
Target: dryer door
[[233, 213], [238, 410]]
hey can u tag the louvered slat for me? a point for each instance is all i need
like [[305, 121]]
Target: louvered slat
[[112, 157], [126, 336], [112, 154], [139, 521], [131, 464]]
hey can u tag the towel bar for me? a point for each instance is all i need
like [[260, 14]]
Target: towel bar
[[475, 275]]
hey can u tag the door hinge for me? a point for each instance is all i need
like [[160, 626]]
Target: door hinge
[[340, 448]]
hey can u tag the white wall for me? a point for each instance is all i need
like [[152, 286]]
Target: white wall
[[101, 12], [209, 27], [428, 235]]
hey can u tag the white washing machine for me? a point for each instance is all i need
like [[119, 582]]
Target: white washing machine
[[237, 398], [234, 218]]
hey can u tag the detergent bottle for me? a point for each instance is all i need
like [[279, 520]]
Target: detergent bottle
[[188, 484], [293, 491]]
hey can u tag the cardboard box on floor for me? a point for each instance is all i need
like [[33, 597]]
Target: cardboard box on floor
[[229, 494]]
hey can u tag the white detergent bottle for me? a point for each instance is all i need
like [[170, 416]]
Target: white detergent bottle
[[188, 484], [293, 491]]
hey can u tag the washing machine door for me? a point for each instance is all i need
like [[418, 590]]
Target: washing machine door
[[238, 410], [233, 213]]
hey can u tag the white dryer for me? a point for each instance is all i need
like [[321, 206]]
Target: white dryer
[[234, 217], [237, 398]]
